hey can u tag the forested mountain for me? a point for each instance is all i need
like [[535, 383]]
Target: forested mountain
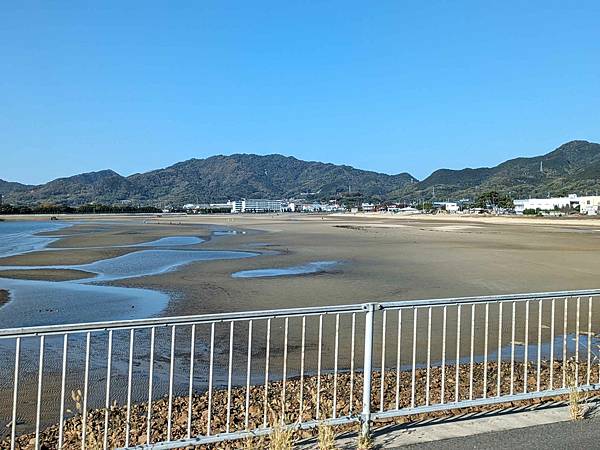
[[572, 168], [216, 178]]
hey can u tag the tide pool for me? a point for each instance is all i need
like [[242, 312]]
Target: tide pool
[[309, 268]]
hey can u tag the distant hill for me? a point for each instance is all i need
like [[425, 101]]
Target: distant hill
[[214, 179], [572, 168], [9, 186]]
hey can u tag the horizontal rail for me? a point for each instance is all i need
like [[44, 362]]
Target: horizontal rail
[[487, 299], [179, 320], [479, 402], [205, 440]]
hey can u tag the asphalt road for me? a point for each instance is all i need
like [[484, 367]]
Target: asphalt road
[[584, 434]]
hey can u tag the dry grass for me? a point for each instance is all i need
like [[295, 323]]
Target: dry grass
[[326, 438], [281, 438], [364, 442], [576, 398]]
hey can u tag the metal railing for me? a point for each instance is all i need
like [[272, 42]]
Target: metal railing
[[180, 381]]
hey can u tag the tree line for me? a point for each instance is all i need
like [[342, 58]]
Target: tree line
[[83, 209]]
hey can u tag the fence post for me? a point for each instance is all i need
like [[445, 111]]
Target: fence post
[[368, 368]]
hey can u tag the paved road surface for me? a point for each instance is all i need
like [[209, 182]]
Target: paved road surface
[[557, 436]]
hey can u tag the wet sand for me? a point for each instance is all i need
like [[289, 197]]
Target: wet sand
[[46, 274], [64, 257], [4, 297], [384, 260], [381, 257]]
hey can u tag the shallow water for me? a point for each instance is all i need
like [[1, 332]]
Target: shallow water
[[140, 264], [171, 241], [153, 262], [44, 302], [19, 237], [47, 303], [309, 268]]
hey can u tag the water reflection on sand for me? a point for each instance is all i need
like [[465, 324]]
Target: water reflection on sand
[[87, 300]]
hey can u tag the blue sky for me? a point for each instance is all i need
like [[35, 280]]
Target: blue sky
[[389, 86]]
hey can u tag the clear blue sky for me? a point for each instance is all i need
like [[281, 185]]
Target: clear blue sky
[[388, 86]]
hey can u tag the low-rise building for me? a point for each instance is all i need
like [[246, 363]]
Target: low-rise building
[[368, 207], [588, 204], [450, 207]]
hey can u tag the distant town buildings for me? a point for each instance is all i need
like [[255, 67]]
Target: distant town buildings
[[586, 204], [589, 205]]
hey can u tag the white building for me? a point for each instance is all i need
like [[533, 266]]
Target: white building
[[256, 205], [450, 207], [407, 210], [587, 204], [368, 207]]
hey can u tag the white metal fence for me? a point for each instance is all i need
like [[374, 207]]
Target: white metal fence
[[179, 381]]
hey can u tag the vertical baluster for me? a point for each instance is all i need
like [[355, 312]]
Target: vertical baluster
[[129, 384], [457, 366], [589, 342], [284, 377], [191, 382], [150, 386], [335, 363], [577, 341], [552, 317], [39, 393], [171, 375], [472, 351], [63, 380], [229, 374], [565, 331], [428, 377], [107, 393], [85, 391], [352, 339], [302, 351], [267, 358], [413, 392], [485, 349], [318, 405], [512, 349], [443, 368], [526, 349], [210, 377], [398, 363], [248, 372], [539, 348], [382, 379], [499, 368], [13, 424]]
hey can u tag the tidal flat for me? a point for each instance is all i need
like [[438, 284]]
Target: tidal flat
[[382, 258]]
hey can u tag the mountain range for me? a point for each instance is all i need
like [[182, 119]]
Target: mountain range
[[572, 167]]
